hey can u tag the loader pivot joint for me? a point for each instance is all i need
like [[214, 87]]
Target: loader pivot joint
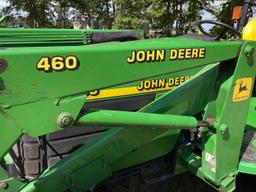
[[249, 51], [65, 120]]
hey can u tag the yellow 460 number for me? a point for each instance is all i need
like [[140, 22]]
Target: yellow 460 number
[[58, 63]]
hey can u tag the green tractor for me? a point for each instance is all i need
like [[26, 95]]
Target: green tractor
[[81, 107]]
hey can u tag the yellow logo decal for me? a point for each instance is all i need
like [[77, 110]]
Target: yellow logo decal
[[147, 86], [150, 56], [242, 89]]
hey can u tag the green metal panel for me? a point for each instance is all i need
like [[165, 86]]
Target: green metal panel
[[251, 114], [248, 168], [116, 144], [45, 92], [157, 85], [10, 37], [96, 60], [12, 184], [227, 140], [34, 102]]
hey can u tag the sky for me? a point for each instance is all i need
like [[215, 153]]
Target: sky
[[2, 3]]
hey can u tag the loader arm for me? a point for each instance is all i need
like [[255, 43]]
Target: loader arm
[[43, 91]]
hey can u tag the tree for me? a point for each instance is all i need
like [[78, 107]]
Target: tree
[[178, 16], [130, 14], [225, 15], [62, 9], [39, 12], [97, 13], [169, 15], [193, 13], [106, 13]]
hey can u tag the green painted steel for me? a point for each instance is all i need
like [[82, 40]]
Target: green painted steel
[[248, 168], [118, 143], [251, 115], [95, 60], [137, 119], [10, 37], [43, 92], [229, 127]]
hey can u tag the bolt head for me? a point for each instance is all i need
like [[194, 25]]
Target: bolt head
[[4, 185], [65, 120], [224, 130], [3, 65]]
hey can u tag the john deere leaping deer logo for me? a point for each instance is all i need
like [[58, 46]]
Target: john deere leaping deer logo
[[242, 89]]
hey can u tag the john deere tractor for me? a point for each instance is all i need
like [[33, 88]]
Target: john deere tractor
[[82, 107]]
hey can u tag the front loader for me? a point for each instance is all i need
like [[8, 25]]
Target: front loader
[[80, 107]]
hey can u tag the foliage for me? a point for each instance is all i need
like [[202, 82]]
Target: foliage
[[169, 16], [130, 14], [225, 14], [62, 10], [40, 13], [96, 12]]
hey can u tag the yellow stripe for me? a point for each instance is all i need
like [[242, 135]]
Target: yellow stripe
[[124, 91]]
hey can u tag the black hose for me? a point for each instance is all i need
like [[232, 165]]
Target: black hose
[[103, 37]]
